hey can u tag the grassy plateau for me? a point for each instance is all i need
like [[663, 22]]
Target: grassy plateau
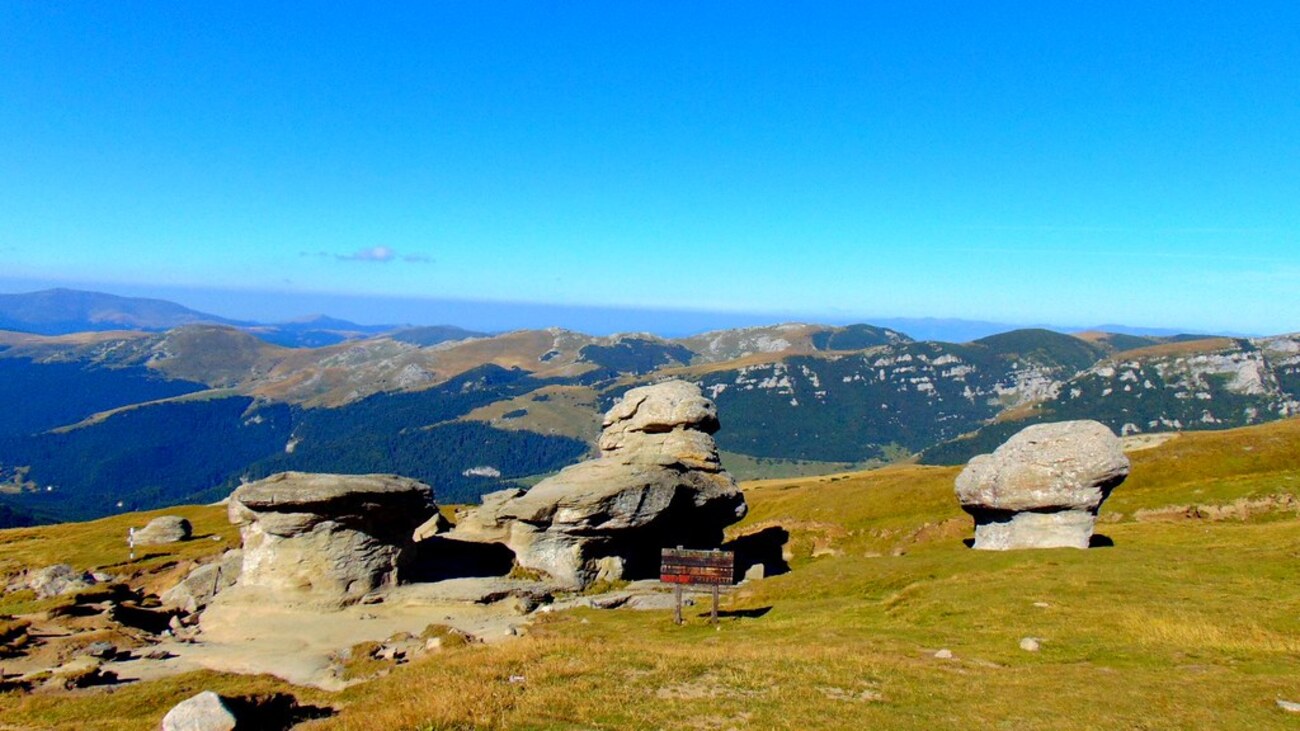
[[1190, 620]]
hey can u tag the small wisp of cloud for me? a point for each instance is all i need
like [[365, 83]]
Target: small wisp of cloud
[[371, 254], [374, 253]]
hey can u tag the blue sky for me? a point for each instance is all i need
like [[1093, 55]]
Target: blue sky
[[1072, 163]]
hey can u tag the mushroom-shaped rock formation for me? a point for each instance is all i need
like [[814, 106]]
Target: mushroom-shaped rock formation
[[328, 539], [1043, 487], [657, 483]]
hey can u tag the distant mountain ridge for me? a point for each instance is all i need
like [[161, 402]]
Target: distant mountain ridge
[[150, 419], [69, 311], [64, 311]]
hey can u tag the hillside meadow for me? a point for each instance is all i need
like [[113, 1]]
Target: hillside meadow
[[1190, 619]]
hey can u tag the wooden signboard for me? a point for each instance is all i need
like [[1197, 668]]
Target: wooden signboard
[[682, 566]]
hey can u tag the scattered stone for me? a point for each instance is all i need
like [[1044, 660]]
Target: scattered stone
[[1042, 605], [100, 577], [1030, 644], [755, 572], [327, 539], [434, 526], [58, 580], [164, 529], [197, 590], [206, 711], [944, 654], [390, 652], [1289, 706], [658, 482], [1043, 487], [610, 568], [81, 672], [372, 599], [512, 631], [654, 602], [101, 650]]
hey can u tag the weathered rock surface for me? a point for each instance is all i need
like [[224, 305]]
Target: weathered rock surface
[[328, 539], [203, 712], [657, 483], [164, 529], [57, 580], [197, 589], [1043, 487]]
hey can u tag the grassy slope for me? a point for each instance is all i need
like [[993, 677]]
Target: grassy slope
[[1183, 623]]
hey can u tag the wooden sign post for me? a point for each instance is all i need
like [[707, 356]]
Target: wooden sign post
[[681, 566]]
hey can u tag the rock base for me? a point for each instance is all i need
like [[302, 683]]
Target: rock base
[[1009, 531]]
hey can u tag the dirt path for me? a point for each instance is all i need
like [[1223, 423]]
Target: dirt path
[[297, 644]]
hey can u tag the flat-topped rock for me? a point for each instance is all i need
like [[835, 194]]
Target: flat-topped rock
[[329, 539], [292, 502], [1043, 487]]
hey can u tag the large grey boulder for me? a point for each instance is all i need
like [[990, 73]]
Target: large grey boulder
[[328, 539], [657, 483], [1043, 487], [203, 583], [203, 712], [164, 529]]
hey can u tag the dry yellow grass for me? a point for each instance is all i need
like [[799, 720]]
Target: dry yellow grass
[[1179, 625], [1165, 350]]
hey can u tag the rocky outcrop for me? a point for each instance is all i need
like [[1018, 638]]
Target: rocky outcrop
[[657, 483], [1043, 487], [164, 529], [201, 585], [329, 539], [58, 580]]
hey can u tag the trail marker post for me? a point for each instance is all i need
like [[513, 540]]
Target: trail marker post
[[681, 567]]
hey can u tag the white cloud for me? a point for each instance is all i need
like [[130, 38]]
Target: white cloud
[[374, 253]]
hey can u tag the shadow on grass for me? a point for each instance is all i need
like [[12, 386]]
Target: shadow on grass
[[742, 613], [274, 711], [764, 547]]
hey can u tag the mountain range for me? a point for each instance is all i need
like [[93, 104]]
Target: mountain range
[[159, 405]]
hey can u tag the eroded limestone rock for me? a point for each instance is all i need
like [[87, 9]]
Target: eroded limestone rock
[[657, 483], [1043, 487], [327, 538]]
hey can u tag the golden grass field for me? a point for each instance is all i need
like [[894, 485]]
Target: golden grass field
[[1191, 620]]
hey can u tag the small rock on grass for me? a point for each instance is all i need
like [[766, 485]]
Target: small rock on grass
[[944, 654], [1030, 644], [1289, 706], [203, 712]]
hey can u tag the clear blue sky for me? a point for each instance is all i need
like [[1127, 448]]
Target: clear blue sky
[[1074, 163]]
